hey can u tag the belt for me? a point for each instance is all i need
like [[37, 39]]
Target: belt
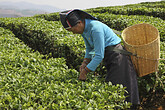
[[117, 50]]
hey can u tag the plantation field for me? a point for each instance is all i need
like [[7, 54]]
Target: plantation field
[[39, 62]]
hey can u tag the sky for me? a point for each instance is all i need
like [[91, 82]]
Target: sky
[[82, 4]]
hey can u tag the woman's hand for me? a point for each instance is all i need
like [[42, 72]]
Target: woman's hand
[[84, 64], [83, 74]]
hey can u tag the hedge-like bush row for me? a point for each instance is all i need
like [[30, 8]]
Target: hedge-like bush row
[[156, 4], [47, 37], [49, 17], [120, 22], [27, 81], [156, 10], [50, 37]]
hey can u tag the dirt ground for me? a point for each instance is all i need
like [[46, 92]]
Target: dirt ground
[[156, 102]]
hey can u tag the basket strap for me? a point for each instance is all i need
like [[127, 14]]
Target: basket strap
[[120, 50], [110, 48]]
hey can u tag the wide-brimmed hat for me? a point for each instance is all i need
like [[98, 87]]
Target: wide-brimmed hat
[[70, 18]]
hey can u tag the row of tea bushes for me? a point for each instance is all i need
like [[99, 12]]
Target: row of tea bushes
[[27, 81], [47, 37], [120, 22], [49, 17], [155, 9]]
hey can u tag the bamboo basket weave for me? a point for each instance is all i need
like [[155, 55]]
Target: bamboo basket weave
[[143, 41]]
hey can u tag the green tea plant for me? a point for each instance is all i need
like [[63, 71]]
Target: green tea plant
[[27, 81], [43, 73], [49, 17], [155, 9], [47, 37], [120, 22]]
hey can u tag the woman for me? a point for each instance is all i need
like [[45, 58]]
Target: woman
[[101, 40]]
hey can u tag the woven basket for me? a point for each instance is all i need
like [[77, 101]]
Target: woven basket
[[143, 40]]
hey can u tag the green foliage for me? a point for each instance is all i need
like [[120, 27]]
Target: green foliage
[[49, 17], [27, 81], [120, 22], [47, 37], [156, 9], [35, 80]]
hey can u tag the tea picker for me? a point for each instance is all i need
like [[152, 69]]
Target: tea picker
[[102, 44]]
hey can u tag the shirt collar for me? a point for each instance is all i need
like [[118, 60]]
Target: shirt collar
[[86, 25]]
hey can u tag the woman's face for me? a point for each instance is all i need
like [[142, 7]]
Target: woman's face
[[78, 28]]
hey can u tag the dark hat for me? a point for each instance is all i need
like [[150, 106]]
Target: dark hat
[[70, 18]]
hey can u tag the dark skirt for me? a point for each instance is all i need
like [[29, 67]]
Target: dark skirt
[[120, 70]]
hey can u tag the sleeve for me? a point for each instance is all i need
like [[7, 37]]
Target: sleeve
[[99, 45]]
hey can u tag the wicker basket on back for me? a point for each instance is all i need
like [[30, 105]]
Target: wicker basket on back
[[143, 40]]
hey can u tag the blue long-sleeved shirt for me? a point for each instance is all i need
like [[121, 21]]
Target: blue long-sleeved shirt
[[97, 36]]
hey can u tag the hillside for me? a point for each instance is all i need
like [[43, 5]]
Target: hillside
[[40, 62], [24, 9], [19, 13]]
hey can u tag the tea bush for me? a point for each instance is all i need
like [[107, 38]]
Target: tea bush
[[155, 9], [27, 81], [49, 17], [120, 22], [47, 37], [45, 76]]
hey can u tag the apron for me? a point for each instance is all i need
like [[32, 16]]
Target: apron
[[120, 70]]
